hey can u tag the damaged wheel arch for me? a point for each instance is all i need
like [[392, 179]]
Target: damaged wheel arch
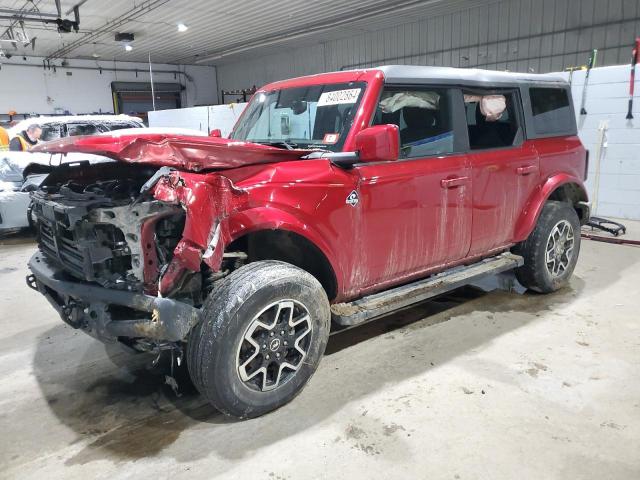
[[290, 247]]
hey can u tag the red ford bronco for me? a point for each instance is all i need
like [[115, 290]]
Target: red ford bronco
[[337, 198]]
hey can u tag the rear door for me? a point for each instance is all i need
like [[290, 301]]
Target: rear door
[[504, 168], [416, 211]]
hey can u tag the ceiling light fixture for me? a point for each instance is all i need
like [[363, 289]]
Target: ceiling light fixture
[[128, 48], [182, 27]]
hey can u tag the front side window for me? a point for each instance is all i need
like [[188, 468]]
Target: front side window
[[316, 116], [50, 132], [551, 110], [424, 118]]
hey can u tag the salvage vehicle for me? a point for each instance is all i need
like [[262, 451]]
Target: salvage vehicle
[[13, 202], [60, 126], [23, 172], [337, 199]]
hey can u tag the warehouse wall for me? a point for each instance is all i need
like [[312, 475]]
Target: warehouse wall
[[615, 190], [519, 35], [27, 87]]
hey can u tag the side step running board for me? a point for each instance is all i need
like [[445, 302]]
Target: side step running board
[[378, 304]]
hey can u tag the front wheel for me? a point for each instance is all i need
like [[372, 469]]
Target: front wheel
[[263, 333], [551, 251]]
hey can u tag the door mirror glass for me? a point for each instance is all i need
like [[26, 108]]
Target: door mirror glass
[[380, 143]]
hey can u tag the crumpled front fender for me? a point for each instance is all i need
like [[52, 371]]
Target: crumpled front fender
[[208, 200]]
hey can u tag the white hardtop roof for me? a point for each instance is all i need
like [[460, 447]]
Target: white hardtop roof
[[466, 76]]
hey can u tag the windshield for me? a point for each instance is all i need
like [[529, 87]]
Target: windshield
[[316, 116]]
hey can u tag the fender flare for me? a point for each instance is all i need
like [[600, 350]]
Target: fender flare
[[535, 203], [262, 218]]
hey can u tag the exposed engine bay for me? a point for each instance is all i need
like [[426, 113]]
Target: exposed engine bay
[[90, 227], [101, 224]]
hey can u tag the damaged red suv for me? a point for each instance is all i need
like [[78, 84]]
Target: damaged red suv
[[338, 198]]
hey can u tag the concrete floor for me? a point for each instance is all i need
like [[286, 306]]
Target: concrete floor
[[495, 386]]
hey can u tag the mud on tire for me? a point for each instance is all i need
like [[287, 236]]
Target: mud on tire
[[551, 251], [263, 332]]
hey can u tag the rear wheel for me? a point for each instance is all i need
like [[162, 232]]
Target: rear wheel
[[551, 251], [263, 333]]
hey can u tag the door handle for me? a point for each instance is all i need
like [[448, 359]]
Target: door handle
[[453, 182], [527, 169]]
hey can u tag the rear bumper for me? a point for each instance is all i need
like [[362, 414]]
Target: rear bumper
[[90, 307]]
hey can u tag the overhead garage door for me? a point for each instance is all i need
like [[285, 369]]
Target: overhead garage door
[[134, 98]]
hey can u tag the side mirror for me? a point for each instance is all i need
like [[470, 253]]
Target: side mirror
[[380, 143], [216, 132]]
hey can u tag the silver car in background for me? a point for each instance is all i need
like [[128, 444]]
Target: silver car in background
[[22, 172], [54, 127]]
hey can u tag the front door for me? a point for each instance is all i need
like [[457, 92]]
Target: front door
[[415, 213]]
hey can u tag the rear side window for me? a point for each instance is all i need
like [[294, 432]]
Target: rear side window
[[76, 129], [492, 119], [551, 111], [110, 127]]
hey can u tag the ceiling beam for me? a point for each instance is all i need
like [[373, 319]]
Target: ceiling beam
[[109, 27], [21, 14]]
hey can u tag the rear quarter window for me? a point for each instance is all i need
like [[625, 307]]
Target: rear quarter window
[[551, 111]]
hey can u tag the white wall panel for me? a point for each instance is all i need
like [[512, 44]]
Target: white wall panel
[[31, 89], [607, 101]]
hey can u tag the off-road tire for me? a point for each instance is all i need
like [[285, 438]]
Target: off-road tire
[[214, 344], [534, 274]]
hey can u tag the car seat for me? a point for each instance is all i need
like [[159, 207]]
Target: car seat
[[420, 124]]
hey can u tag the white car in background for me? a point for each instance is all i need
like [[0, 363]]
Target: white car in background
[[15, 185], [14, 188], [54, 127]]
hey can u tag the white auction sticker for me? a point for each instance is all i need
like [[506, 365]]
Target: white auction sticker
[[331, 138], [338, 97]]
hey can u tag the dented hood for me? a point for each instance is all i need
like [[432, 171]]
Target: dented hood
[[185, 152]]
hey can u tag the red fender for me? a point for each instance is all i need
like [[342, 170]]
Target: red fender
[[263, 218], [538, 198]]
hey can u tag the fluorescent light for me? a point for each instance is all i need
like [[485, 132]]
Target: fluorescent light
[[182, 27], [128, 48]]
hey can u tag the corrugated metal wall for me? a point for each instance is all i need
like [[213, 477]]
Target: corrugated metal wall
[[518, 35]]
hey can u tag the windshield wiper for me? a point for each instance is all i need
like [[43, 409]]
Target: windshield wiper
[[280, 143]]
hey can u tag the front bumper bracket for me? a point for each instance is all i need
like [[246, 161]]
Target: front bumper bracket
[[168, 320]]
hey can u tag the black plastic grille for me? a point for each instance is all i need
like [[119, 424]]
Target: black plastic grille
[[61, 249]]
